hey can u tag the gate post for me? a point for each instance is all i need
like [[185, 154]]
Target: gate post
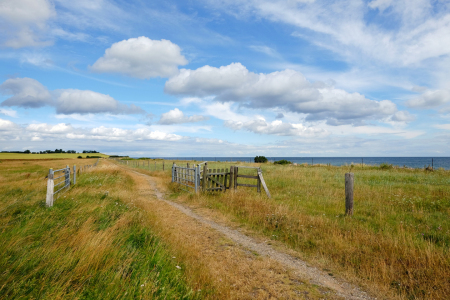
[[231, 178], [173, 172], [205, 177], [195, 178], [67, 176], [50, 187]]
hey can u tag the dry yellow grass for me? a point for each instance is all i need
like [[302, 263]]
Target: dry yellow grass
[[396, 244]]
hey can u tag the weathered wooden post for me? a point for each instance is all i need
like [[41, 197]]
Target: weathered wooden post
[[173, 172], [231, 178], [205, 176], [349, 194], [50, 187], [163, 165], [236, 170], [258, 185], [195, 178], [74, 174]]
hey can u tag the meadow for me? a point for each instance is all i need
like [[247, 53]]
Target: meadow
[[395, 245], [92, 244]]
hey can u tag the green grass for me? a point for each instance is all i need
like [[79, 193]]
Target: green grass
[[91, 245], [47, 156]]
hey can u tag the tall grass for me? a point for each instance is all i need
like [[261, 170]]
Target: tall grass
[[93, 244], [397, 243]]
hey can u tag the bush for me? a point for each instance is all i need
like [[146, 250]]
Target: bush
[[282, 162], [79, 156], [386, 166], [260, 159]]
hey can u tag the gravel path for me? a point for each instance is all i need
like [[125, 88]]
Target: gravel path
[[314, 275]]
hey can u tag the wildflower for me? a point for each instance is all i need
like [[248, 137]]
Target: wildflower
[[178, 267]]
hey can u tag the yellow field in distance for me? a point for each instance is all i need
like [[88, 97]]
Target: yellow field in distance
[[48, 156]]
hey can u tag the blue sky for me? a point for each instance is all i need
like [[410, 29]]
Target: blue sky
[[226, 78]]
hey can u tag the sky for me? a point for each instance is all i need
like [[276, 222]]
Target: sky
[[224, 78]]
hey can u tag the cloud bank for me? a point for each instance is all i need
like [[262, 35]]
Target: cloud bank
[[286, 89], [29, 93]]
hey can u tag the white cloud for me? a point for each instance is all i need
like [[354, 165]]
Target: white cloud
[[25, 22], [142, 58], [403, 116], [277, 127], [417, 31], [71, 101], [27, 92], [7, 125], [443, 126], [30, 93], [48, 128], [430, 99], [8, 112], [285, 89], [176, 116]]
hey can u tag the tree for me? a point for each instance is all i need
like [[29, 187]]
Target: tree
[[260, 159]]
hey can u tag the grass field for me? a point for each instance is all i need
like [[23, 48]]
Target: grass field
[[92, 244], [396, 244], [4, 156]]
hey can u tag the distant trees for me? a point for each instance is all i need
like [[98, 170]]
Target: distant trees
[[260, 159], [282, 162], [90, 151]]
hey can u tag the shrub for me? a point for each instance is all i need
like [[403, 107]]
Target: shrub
[[282, 162], [386, 166], [79, 156], [260, 159]]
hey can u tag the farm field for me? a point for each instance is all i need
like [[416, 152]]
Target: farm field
[[92, 244], [396, 244], [4, 156], [108, 237]]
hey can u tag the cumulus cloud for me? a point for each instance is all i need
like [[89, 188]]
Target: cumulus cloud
[[24, 22], [176, 116], [48, 128], [286, 89], [27, 92], [403, 116], [277, 127], [71, 101], [430, 99], [7, 125], [142, 58]]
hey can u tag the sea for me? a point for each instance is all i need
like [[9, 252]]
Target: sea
[[410, 162]]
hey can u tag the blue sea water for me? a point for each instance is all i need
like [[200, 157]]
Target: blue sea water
[[411, 162]]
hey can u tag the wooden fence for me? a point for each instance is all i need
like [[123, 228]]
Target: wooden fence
[[210, 180]]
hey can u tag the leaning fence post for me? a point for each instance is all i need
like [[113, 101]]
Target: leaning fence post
[[74, 174], [236, 170], [349, 194], [258, 184], [50, 187]]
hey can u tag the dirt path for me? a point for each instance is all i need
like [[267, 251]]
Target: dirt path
[[297, 267]]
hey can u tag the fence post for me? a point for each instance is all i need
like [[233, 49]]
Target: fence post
[[67, 176], [349, 194], [258, 185], [50, 187], [74, 174], [205, 178], [231, 177], [236, 169], [163, 165], [195, 178], [173, 172]]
